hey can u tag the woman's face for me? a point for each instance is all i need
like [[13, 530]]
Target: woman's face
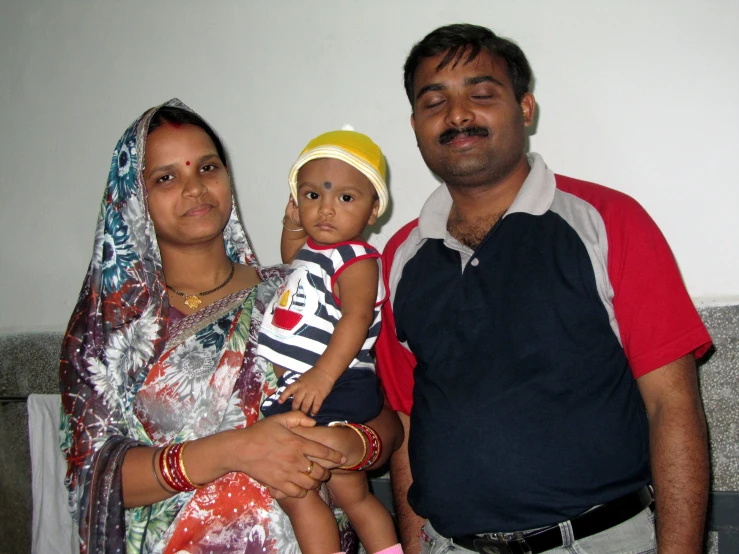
[[188, 185]]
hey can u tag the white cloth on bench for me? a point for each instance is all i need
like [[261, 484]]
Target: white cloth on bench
[[52, 529]]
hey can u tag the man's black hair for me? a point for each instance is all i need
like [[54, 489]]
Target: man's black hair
[[180, 116], [459, 38]]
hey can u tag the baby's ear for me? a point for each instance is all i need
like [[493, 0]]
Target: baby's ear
[[375, 210]]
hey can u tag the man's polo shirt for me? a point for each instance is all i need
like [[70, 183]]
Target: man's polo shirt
[[524, 353]]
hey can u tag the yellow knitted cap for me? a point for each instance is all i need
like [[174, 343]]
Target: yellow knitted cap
[[351, 147]]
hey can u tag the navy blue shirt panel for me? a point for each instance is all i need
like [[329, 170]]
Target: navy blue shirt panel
[[517, 365]]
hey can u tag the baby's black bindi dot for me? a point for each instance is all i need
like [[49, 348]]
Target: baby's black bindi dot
[[327, 185]]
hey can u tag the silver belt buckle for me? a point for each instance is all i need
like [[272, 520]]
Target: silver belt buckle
[[502, 543]]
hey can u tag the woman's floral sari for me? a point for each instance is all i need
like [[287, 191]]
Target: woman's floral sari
[[132, 375]]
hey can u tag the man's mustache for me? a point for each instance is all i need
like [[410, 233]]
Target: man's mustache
[[450, 134]]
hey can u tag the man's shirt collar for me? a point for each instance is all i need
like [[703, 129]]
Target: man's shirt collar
[[535, 198]]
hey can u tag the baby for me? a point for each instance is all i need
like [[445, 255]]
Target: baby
[[320, 326]]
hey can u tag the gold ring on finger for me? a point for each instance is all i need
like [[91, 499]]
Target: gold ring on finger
[[310, 468]]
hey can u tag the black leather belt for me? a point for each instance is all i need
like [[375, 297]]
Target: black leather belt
[[591, 522]]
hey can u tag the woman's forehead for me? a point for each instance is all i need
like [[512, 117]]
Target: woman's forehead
[[171, 140]]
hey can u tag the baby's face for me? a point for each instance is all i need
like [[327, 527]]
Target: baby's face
[[336, 201]]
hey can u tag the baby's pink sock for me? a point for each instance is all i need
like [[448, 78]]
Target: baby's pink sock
[[394, 549]]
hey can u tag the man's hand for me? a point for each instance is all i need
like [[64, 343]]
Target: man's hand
[[309, 391]]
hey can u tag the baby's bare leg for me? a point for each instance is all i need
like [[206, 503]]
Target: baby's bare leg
[[368, 516], [313, 522]]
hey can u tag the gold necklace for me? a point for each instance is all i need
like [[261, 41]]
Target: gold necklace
[[193, 301]]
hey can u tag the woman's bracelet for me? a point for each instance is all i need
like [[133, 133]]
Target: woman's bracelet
[[156, 475], [181, 465], [361, 435], [164, 470], [298, 230], [375, 443], [173, 469], [370, 440]]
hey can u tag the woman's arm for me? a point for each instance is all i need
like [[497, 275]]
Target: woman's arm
[[357, 290], [268, 451], [387, 425], [293, 235]]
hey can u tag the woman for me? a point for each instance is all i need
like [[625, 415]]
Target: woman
[[143, 370]]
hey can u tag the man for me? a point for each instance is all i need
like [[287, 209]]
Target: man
[[539, 343]]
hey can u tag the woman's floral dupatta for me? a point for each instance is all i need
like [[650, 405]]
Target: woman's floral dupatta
[[117, 333]]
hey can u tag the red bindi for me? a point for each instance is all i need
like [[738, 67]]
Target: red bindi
[[187, 162]]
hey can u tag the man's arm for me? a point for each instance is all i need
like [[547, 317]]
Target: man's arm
[[679, 454], [409, 524]]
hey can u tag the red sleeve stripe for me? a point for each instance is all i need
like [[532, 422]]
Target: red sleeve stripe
[[395, 363]]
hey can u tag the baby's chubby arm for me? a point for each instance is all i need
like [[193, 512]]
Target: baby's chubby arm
[[356, 288]]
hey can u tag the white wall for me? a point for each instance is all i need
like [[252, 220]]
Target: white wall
[[639, 96]]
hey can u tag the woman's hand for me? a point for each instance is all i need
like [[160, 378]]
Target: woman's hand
[[271, 453], [268, 451], [285, 452], [387, 426]]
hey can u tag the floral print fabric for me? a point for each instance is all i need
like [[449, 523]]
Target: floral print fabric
[[129, 378]]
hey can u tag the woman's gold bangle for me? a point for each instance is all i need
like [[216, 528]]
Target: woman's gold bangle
[[181, 465], [361, 435]]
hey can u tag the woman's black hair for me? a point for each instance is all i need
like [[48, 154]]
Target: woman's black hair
[[455, 40], [180, 116]]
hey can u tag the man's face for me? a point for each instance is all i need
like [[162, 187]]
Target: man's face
[[469, 127]]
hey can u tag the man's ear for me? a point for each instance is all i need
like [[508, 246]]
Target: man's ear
[[528, 107], [413, 121]]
